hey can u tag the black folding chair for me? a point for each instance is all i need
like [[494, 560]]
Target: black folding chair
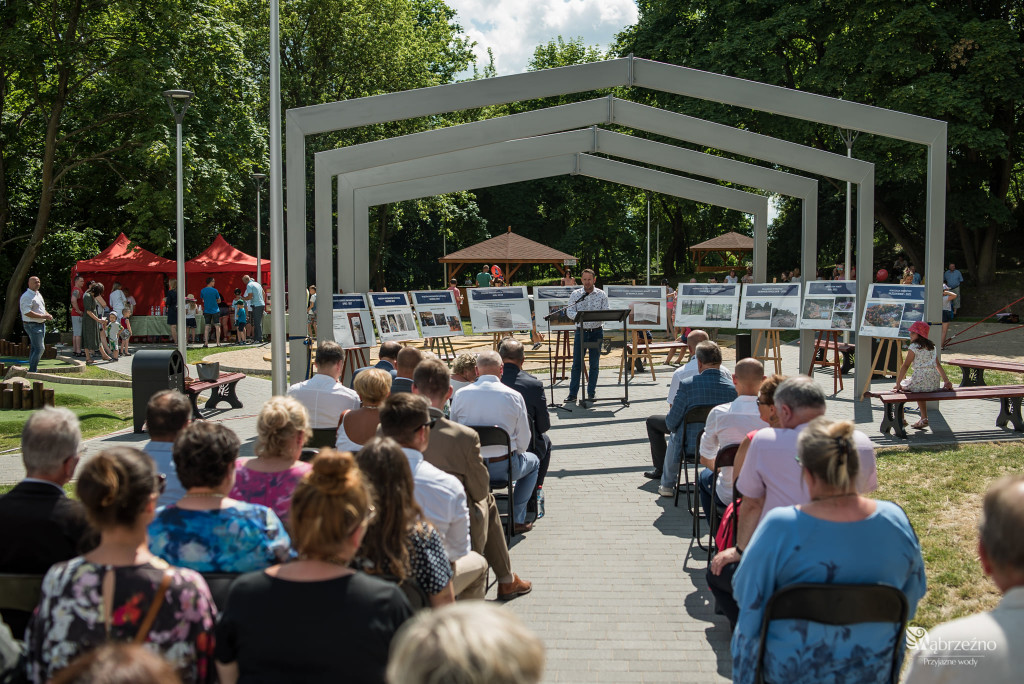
[[725, 458], [698, 414], [220, 584], [19, 596], [838, 604], [492, 435], [323, 437]]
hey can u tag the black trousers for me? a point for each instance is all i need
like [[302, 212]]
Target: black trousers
[[657, 433], [721, 587]]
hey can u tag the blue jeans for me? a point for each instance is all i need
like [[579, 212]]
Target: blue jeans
[[525, 468], [35, 332], [671, 467], [704, 479], [593, 339], [257, 323]]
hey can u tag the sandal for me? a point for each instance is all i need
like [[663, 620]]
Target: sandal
[[921, 424]]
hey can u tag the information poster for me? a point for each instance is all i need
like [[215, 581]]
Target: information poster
[[829, 305], [770, 306], [499, 309], [646, 303], [548, 299], [394, 316], [353, 325], [707, 305], [437, 313], [891, 309]]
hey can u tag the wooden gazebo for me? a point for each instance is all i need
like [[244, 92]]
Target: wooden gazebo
[[508, 250], [723, 245]]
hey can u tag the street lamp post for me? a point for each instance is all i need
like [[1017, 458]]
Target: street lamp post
[[178, 101], [259, 179]]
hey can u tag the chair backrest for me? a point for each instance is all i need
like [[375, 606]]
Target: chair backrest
[[323, 437], [492, 435], [219, 583], [308, 454], [20, 592], [698, 414], [838, 604], [726, 456]]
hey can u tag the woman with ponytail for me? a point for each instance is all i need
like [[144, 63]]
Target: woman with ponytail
[[839, 537], [314, 619], [120, 591]]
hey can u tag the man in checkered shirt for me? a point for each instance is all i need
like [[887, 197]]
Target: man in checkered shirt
[[586, 298]]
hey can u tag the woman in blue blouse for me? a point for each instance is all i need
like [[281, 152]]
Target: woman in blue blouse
[[839, 537], [206, 530]]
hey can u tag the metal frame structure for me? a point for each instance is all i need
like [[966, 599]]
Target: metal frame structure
[[632, 72]]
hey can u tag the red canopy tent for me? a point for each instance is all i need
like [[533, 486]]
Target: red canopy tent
[[225, 263], [133, 267]]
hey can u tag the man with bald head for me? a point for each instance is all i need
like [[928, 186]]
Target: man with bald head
[[488, 402], [405, 365], [657, 431]]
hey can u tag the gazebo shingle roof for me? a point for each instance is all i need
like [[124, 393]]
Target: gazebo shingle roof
[[727, 242], [507, 247]]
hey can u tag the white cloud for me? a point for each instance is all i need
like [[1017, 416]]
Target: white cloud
[[513, 28]]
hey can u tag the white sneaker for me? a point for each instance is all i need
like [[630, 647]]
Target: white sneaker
[[666, 491]]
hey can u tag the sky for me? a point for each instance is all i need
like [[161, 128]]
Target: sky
[[513, 28]]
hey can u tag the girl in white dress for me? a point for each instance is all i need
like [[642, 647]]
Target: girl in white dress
[[921, 357]]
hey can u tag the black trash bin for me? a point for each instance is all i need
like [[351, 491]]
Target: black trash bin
[[742, 346], [154, 370]]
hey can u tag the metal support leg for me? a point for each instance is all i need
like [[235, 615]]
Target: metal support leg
[[1009, 412]]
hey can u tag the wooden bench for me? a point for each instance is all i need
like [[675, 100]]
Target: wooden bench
[[223, 390], [974, 369], [1009, 397], [847, 350]]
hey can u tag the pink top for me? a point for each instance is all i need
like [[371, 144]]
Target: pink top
[[273, 490]]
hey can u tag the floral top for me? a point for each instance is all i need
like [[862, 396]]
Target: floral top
[[240, 538], [273, 490], [926, 376], [69, 620]]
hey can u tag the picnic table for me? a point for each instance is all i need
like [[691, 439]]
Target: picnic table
[[974, 369]]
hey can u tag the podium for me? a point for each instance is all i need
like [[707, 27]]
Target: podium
[[601, 316]]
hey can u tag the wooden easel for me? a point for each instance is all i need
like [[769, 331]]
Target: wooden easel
[[355, 357], [885, 343], [562, 353], [497, 337], [633, 352], [826, 341], [773, 348], [443, 347]]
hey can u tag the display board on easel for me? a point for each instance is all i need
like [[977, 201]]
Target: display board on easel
[[707, 305], [437, 313], [353, 324], [889, 312], [499, 309], [646, 304], [394, 317], [547, 299], [769, 309], [829, 305]]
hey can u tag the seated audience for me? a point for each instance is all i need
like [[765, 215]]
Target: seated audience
[[107, 594], [270, 478], [408, 359], [835, 537], [314, 619], [118, 664], [1002, 558], [709, 386], [388, 357], [657, 431], [728, 424], [167, 413], [323, 396], [356, 427], [406, 419], [513, 356], [39, 524], [468, 643], [455, 449], [488, 402], [400, 544], [206, 530], [463, 371]]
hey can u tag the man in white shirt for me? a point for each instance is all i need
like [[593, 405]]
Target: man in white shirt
[[323, 396], [729, 424], [488, 402], [406, 418], [657, 430], [33, 319], [988, 647], [254, 295]]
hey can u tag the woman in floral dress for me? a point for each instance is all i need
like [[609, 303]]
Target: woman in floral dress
[[106, 594], [927, 371]]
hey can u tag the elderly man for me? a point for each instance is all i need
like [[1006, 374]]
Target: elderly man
[[406, 418], [769, 477], [488, 402], [254, 296], [324, 397], [657, 431], [39, 525], [455, 449], [513, 355], [406, 362], [168, 412], [33, 318], [709, 386], [938, 659]]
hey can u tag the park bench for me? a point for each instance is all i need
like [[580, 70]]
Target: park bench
[[974, 369], [223, 390], [847, 350], [1009, 397]]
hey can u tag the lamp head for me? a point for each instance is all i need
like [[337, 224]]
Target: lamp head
[[178, 99]]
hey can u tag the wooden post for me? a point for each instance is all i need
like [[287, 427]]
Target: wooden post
[[48, 398], [26, 397], [16, 396], [7, 398], [37, 394]]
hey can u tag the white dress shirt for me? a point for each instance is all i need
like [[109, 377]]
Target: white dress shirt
[[325, 399], [443, 500], [117, 302], [729, 424], [488, 402], [32, 300]]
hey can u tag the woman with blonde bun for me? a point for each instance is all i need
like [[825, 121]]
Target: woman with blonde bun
[[339, 621], [270, 478], [839, 537], [120, 591], [357, 427]]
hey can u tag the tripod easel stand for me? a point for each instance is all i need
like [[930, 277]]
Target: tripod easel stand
[[773, 348], [885, 343]]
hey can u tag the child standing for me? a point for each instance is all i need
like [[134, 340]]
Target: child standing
[[191, 311], [240, 316], [126, 330], [114, 334], [927, 371]]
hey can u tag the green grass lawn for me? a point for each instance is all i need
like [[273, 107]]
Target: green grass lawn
[[101, 410]]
